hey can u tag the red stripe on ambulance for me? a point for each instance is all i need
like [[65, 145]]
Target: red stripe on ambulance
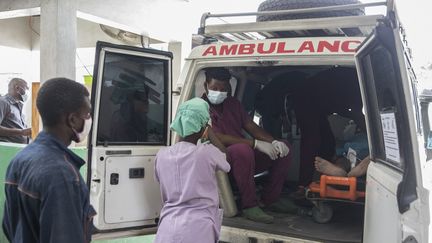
[[305, 47]]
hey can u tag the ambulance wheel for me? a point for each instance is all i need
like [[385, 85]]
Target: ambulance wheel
[[322, 213], [271, 5]]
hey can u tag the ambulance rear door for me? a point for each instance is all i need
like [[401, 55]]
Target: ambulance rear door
[[131, 98], [397, 205]]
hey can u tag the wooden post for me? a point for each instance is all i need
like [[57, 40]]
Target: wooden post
[[35, 118]]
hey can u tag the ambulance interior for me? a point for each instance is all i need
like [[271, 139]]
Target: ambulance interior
[[272, 96]]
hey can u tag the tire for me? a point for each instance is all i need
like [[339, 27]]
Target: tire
[[322, 213], [271, 5]]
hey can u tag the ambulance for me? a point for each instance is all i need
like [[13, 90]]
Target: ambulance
[[307, 36]]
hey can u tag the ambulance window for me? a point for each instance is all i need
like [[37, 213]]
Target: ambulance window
[[385, 107], [133, 100]]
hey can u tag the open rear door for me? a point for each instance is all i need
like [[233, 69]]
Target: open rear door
[[131, 97], [395, 210]]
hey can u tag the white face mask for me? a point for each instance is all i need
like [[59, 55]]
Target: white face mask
[[80, 136], [216, 97], [25, 96]]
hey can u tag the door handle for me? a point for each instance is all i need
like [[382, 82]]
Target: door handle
[[114, 179]]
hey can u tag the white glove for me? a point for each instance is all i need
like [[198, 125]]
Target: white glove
[[266, 148], [281, 147]]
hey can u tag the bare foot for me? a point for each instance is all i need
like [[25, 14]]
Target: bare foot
[[327, 168]]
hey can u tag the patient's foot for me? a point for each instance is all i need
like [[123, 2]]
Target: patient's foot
[[327, 168]]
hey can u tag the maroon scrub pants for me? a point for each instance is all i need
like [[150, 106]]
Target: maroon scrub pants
[[246, 162]]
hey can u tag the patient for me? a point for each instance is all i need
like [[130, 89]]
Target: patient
[[352, 159], [337, 169]]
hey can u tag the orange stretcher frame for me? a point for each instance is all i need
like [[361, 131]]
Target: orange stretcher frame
[[323, 187]]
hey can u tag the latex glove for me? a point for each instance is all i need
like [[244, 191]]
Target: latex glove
[[281, 147], [266, 148]]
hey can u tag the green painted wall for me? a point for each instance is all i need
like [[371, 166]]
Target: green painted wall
[[8, 151]]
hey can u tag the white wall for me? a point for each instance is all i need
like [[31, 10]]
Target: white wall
[[16, 33], [13, 5], [167, 20], [11, 67], [88, 33]]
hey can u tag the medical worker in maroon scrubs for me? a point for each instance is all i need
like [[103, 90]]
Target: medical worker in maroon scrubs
[[248, 155]]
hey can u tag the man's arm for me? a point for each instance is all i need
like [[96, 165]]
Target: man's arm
[[221, 162], [62, 213], [5, 131], [228, 140], [214, 139], [257, 132], [264, 142], [254, 130]]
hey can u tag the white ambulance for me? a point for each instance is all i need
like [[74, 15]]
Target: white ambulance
[[303, 36]]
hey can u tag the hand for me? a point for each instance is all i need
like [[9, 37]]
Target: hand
[[26, 132], [281, 147], [215, 140], [266, 148], [205, 135]]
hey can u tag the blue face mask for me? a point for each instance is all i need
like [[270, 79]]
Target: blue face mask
[[216, 97]]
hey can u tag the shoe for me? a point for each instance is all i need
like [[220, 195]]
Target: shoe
[[256, 214], [283, 206]]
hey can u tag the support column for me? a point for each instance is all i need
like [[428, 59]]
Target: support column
[[58, 39], [176, 48]]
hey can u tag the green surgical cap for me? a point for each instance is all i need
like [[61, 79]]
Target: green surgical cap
[[191, 117]]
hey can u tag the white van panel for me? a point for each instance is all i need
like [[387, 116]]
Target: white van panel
[[382, 223], [133, 202], [132, 199]]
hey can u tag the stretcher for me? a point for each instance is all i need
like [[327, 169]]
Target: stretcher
[[332, 188]]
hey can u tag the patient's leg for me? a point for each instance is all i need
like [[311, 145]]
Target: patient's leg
[[327, 168], [360, 169]]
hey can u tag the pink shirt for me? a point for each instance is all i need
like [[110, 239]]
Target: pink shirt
[[187, 176]]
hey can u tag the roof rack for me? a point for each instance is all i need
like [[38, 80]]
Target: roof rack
[[358, 25]]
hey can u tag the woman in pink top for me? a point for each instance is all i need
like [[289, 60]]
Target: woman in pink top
[[186, 172]]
